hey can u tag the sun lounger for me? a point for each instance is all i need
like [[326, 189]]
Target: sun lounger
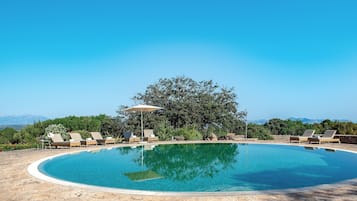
[[233, 136], [130, 137], [100, 140], [57, 141], [212, 137], [230, 136], [328, 136], [304, 138], [86, 142], [179, 138], [150, 136]]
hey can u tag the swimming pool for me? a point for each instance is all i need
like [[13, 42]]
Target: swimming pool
[[204, 167]]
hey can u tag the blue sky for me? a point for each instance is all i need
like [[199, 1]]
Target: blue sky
[[285, 58]]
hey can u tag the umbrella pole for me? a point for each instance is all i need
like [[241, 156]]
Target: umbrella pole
[[142, 156], [142, 127]]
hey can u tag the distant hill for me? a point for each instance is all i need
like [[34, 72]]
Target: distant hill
[[258, 121], [306, 120], [20, 120], [302, 119], [16, 127], [313, 121]]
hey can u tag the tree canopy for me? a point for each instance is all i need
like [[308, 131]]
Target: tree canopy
[[188, 103]]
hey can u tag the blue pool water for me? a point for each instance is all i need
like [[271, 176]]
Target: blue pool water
[[204, 167]]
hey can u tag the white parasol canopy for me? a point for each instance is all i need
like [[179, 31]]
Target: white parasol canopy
[[141, 109]]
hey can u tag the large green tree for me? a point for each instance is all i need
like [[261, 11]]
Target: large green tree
[[190, 103]]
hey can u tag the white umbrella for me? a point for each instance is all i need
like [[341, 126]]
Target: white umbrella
[[141, 109]]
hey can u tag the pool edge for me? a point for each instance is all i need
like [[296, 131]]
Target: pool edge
[[33, 170]]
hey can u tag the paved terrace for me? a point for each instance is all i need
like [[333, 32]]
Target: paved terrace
[[17, 184]]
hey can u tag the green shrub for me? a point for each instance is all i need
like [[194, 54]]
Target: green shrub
[[189, 133], [18, 136], [25, 136], [56, 129], [211, 129], [260, 132], [7, 135], [164, 131]]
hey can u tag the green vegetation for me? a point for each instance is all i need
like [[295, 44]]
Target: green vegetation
[[289, 127], [286, 127], [7, 136], [164, 130], [189, 133], [190, 109], [71, 123], [193, 110], [29, 136], [56, 129], [260, 132]]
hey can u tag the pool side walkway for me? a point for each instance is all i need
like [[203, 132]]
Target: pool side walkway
[[17, 184]]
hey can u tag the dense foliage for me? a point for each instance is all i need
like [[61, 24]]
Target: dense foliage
[[56, 129], [7, 136], [71, 123], [290, 127], [260, 132], [30, 135], [187, 105]]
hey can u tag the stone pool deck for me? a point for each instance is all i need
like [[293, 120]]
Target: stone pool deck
[[17, 184]]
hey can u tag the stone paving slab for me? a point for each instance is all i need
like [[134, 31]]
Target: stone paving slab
[[17, 184]]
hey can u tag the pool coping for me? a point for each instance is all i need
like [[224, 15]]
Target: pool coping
[[34, 171]]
